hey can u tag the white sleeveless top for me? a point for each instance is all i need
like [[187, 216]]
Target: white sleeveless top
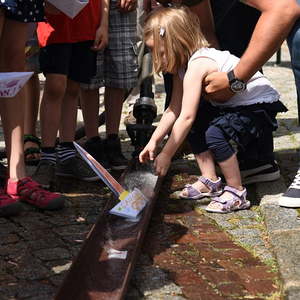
[[259, 88]]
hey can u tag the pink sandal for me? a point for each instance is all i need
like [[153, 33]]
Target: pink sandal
[[236, 202], [215, 189]]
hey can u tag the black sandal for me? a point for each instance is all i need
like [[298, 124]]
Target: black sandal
[[32, 150]]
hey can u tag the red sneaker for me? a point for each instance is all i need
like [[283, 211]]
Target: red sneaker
[[32, 193], [8, 205]]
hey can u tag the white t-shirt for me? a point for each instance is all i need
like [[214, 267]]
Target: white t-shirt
[[259, 88]]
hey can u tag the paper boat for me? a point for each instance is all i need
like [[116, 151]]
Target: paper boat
[[12, 82], [71, 8], [131, 204]]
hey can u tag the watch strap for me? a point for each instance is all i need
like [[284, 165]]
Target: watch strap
[[231, 76]]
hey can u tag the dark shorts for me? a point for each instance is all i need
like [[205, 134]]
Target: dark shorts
[[75, 60], [23, 11], [245, 126]]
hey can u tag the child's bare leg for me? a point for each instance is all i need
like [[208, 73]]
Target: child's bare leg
[[207, 167], [12, 59], [32, 101], [234, 194], [32, 105], [89, 101], [114, 98], [231, 171], [2, 18], [69, 112], [50, 113]]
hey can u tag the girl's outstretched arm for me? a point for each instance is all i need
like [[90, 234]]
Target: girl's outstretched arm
[[192, 87], [166, 122]]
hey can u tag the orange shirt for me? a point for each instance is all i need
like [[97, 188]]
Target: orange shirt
[[61, 29]]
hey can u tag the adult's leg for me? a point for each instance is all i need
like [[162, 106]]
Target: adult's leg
[[294, 48], [291, 198]]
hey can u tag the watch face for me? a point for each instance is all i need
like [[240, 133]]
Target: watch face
[[238, 86]]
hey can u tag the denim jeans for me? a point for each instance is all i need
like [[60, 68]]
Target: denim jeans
[[293, 41]]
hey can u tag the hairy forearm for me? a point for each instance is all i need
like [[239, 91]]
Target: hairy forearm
[[272, 28]]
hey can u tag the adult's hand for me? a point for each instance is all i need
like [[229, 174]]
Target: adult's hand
[[216, 87], [127, 5]]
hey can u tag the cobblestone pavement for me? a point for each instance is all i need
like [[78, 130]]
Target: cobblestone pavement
[[252, 254]]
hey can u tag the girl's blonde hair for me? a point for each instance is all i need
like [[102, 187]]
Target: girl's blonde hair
[[177, 31]]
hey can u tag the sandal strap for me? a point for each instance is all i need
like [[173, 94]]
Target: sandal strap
[[235, 192], [214, 186], [241, 195], [32, 138]]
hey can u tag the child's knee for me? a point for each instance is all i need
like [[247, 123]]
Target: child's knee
[[55, 86], [218, 144]]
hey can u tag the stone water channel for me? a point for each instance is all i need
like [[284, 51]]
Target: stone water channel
[[187, 253]]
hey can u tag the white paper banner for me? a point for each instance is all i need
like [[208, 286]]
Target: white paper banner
[[71, 8], [12, 82], [131, 206]]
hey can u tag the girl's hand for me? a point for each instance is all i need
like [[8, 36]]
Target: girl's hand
[[101, 38], [148, 153], [162, 164]]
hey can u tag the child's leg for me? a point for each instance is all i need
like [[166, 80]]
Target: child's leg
[[12, 58], [69, 112], [206, 165], [208, 184], [114, 98], [89, 100], [234, 194], [50, 112], [90, 109], [2, 18], [32, 101], [231, 171]]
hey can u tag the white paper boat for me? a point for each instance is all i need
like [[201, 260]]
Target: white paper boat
[[131, 206], [71, 8], [12, 82]]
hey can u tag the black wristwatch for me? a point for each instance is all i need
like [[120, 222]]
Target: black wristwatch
[[236, 85]]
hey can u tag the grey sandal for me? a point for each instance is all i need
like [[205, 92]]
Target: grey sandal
[[215, 189]]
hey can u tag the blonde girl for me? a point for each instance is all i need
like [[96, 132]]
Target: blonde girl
[[179, 47]]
